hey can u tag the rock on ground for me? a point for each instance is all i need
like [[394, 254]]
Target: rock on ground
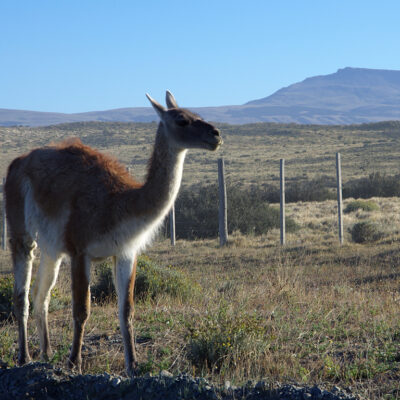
[[43, 381]]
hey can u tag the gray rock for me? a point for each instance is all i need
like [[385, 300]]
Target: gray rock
[[166, 374]]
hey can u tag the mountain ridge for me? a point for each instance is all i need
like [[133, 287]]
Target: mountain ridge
[[347, 96]]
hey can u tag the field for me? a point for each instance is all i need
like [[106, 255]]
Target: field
[[252, 152], [311, 312]]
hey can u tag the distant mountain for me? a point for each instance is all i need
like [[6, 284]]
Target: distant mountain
[[348, 96], [351, 95]]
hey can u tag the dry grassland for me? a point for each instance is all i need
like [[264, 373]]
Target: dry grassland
[[311, 312]]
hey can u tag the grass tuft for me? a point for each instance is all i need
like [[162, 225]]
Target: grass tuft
[[226, 338]]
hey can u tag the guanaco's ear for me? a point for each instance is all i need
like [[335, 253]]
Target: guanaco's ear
[[170, 100], [157, 106]]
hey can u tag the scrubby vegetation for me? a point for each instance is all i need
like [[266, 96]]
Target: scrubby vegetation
[[248, 212], [363, 205], [324, 188], [375, 185]]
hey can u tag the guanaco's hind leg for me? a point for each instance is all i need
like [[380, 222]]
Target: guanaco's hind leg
[[80, 272], [22, 256], [45, 280], [125, 282]]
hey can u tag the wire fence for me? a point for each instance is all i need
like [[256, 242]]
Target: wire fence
[[174, 221]]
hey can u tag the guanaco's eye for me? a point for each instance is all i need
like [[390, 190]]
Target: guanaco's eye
[[182, 122]]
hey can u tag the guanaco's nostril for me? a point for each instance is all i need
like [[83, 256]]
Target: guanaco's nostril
[[216, 132]]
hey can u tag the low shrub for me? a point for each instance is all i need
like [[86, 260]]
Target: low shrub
[[151, 281], [319, 189], [355, 205], [365, 232]]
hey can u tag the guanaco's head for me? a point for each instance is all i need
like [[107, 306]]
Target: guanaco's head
[[186, 129]]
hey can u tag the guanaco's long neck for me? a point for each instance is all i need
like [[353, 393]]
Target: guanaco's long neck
[[164, 177]]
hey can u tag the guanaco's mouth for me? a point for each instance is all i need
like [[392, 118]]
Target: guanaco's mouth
[[214, 143]]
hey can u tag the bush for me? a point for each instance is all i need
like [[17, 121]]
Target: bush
[[376, 185], [361, 205], [365, 232], [151, 282], [248, 212], [319, 189]]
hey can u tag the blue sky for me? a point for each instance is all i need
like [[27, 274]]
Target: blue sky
[[76, 56]]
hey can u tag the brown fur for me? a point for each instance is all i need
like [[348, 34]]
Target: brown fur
[[91, 179]]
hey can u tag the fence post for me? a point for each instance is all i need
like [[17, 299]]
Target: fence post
[[223, 212], [172, 224], [4, 241], [339, 196], [282, 203]]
